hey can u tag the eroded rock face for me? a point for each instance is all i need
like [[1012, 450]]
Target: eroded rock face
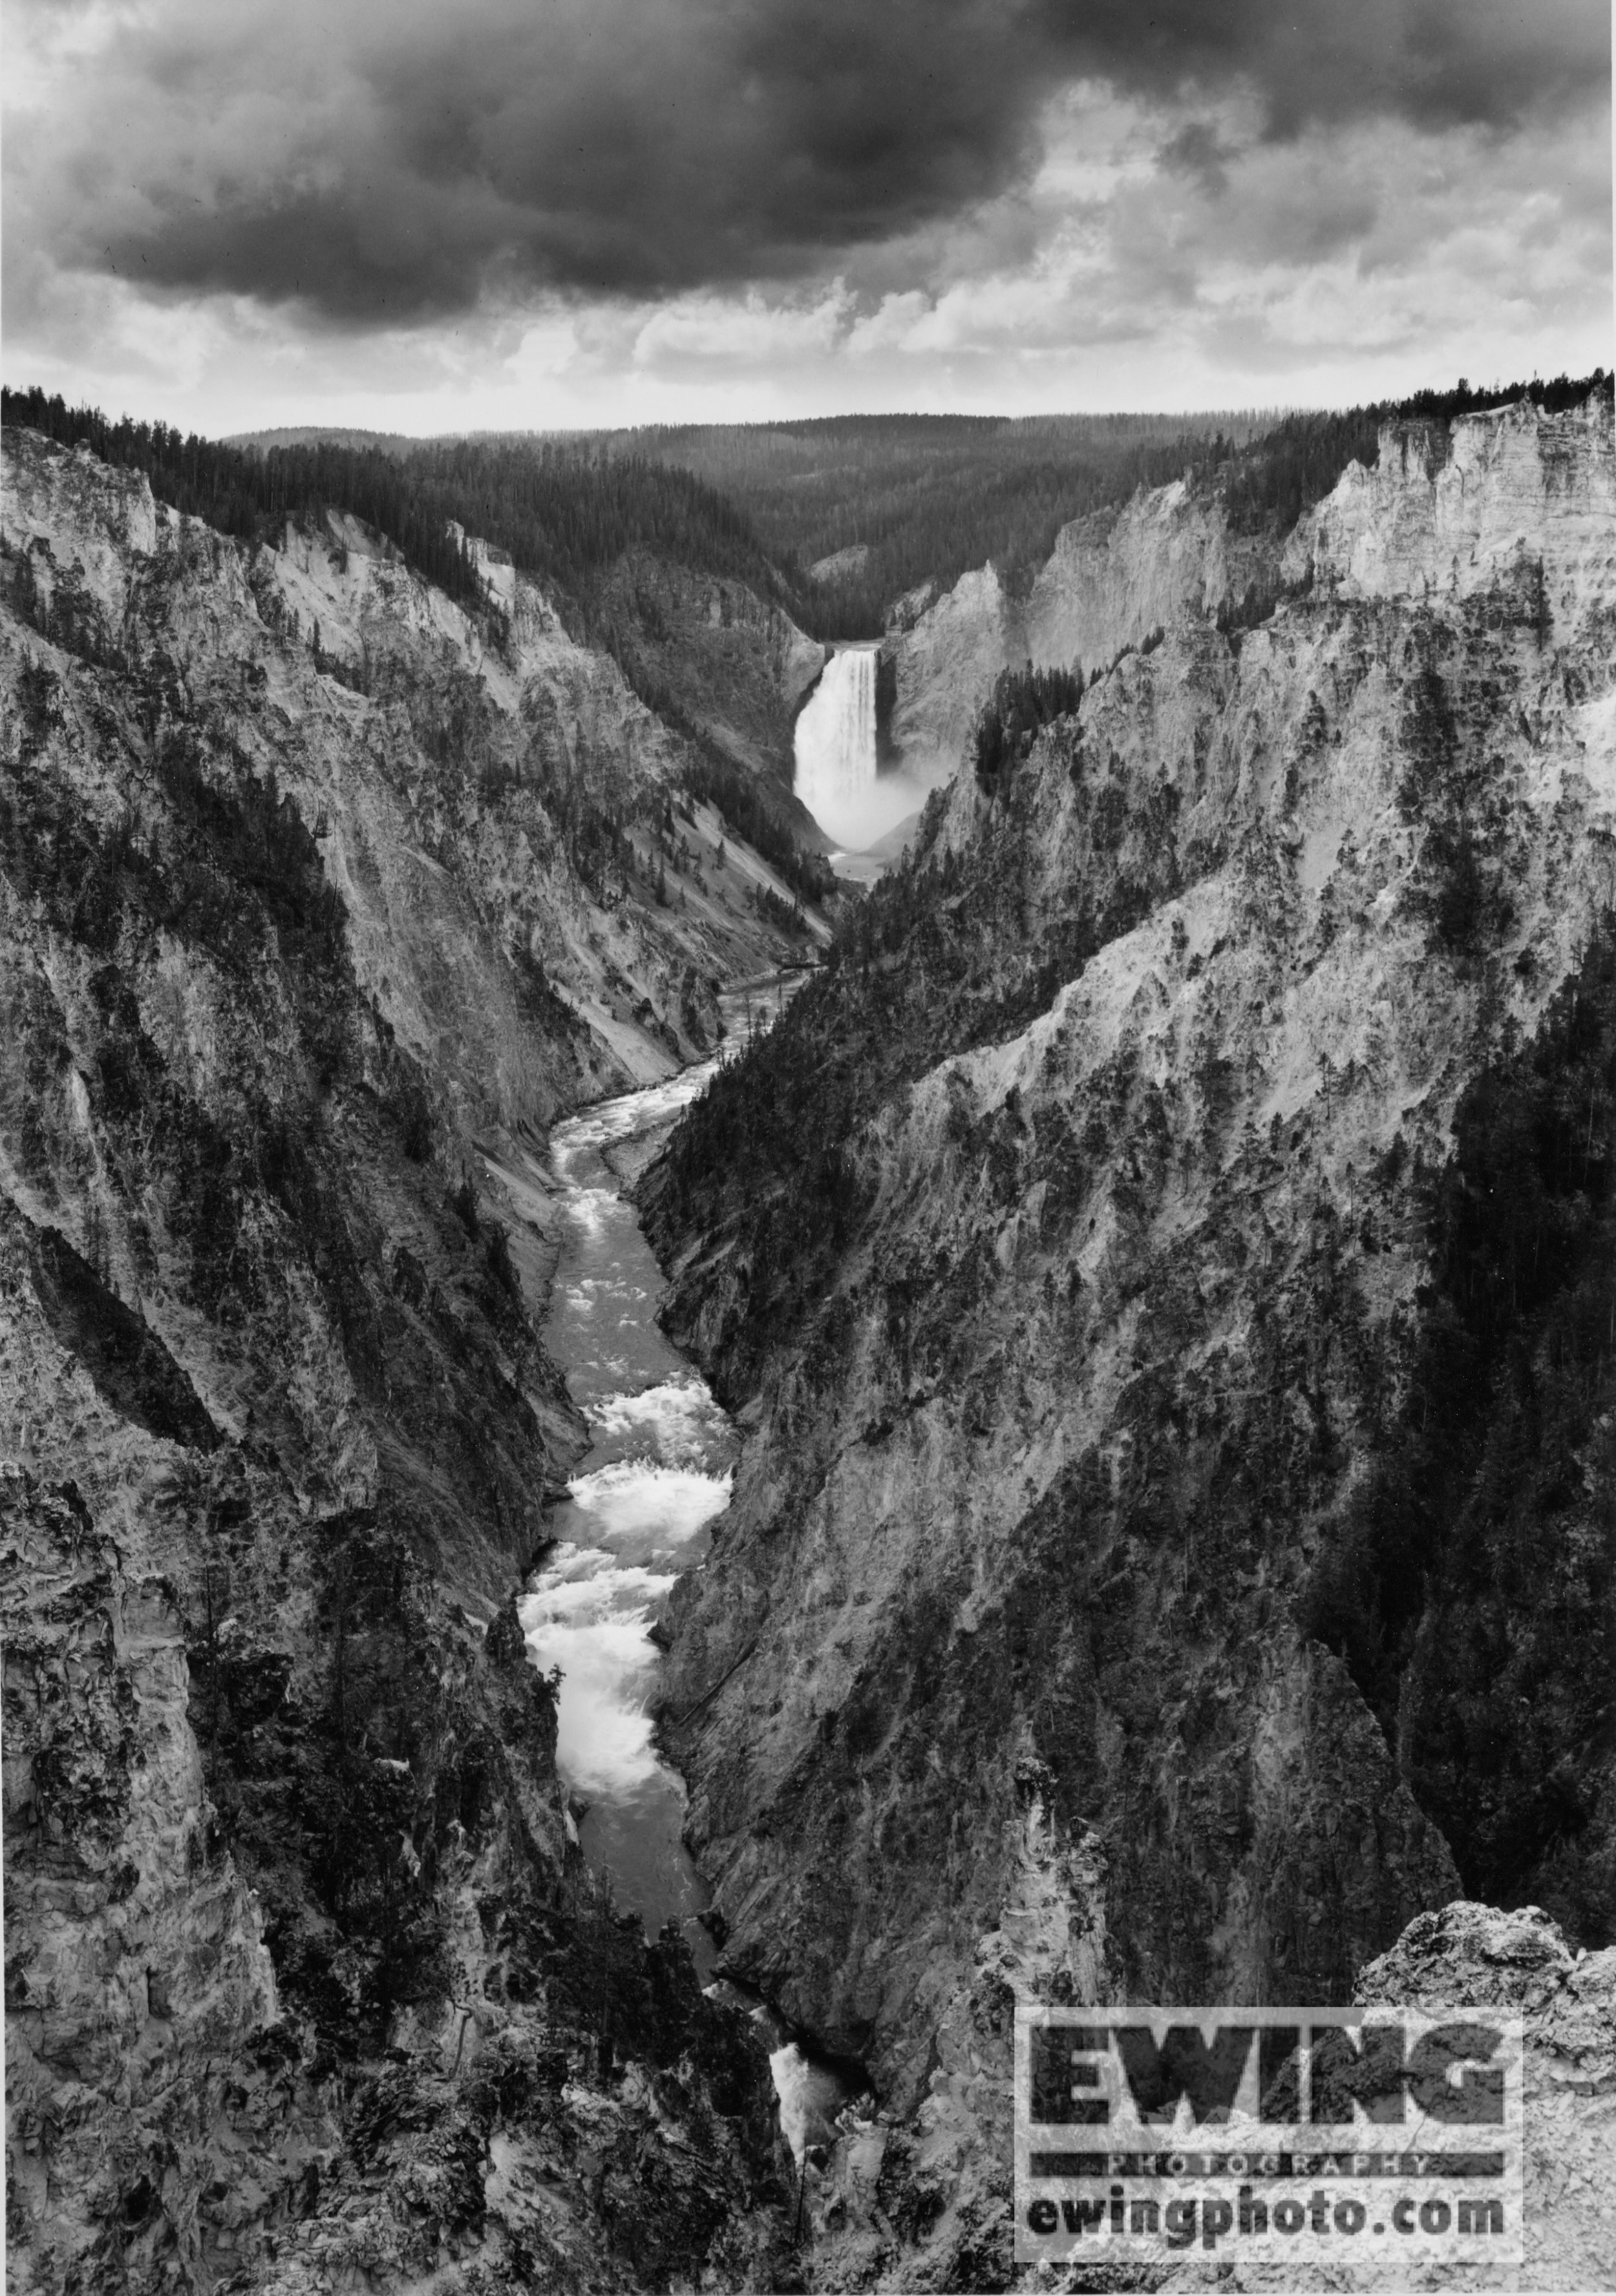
[[1520, 1965], [467, 798], [306, 1983], [1063, 1366], [925, 2204], [729, 663], [944, 663], [1111, 580], [137, 1963], [1448, 508]]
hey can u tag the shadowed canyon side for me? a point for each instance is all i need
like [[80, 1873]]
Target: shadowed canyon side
[[1081, 1257], [714, 657], [319, 898]]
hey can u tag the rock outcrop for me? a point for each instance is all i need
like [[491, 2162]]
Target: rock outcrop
[[924, 2204], [308, 889], [1096, 1310], [1520, 1965], [1111, 580]]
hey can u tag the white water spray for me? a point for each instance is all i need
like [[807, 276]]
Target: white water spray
[[835, 750]]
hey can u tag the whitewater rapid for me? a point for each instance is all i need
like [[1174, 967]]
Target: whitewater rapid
[[636, 1514], [638, 1509]]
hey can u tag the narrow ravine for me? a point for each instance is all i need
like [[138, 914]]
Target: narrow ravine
[[638, 1512]]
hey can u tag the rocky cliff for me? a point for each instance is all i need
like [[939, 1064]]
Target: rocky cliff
[[311, 887], [730, 666], [1521, 1963], [1164, 1271], [491, 798], [1110, 579]]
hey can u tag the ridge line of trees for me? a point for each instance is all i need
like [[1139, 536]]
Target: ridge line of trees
[[561, 514], [1273, 478], [932, 496], [251, 495], [1022, 702]]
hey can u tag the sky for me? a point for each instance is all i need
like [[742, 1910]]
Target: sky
[[446, 215]]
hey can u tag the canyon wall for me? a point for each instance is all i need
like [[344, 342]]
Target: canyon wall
[[461, 788], [1110, 579], [311, 888], [728, 664], [1083, 1256]]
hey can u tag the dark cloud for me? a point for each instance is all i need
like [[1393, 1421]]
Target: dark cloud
[[1197, 151], [392, 161], [1437, 62]]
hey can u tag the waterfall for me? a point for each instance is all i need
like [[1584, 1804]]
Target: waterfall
[[835, 750], [836, 777]]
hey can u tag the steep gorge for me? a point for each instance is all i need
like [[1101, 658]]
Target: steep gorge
[[1227, 1083], [1072, 1257], [319, 900]]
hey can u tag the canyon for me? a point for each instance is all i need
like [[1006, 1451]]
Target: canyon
[[1218, 1097], [1085, 1326], [321, 900]]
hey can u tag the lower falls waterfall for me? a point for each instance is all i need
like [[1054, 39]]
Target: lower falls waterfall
[[835, 756]]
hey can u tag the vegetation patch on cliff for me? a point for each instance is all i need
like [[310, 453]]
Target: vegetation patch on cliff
[[1471, 1586]]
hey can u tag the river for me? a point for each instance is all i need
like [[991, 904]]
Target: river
[[638, 1511]]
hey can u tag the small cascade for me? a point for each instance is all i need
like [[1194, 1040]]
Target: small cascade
[[813, 2090], [835, 754]]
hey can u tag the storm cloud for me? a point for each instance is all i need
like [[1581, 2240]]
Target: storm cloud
[[389, 164]]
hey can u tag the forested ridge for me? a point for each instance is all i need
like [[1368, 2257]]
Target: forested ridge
[[1022, 701], [562, 513], [916, 499], [251, 495], [929, 496], [565, 515]]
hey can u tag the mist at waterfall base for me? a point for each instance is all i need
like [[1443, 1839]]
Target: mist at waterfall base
[[836, 773]]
